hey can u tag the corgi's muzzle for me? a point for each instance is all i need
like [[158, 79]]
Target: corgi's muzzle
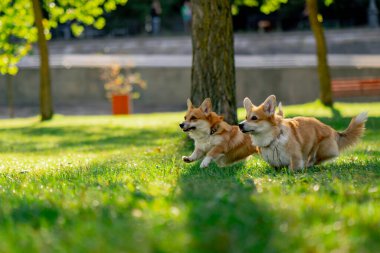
[[185, 127], [243, 129], [241, 126]]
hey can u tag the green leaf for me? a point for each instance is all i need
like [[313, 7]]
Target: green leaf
[[12, 70], [100, 23], [234, 9], [77, 29], [250, 3], [328, 2], [270, 6], [110, 6]]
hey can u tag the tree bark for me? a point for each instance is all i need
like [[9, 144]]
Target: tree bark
[[323, 66], [213, 69], [46, 106]]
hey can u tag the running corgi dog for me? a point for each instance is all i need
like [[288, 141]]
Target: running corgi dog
[[298, 142], [215, 140]]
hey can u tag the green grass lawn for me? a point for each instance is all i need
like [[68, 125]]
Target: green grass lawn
[[117, 184]]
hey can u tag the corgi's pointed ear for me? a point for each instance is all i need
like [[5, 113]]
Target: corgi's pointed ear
[[206, 106], [221, 118], [270, 105], [189, 104], [280, 111], [247, 104]]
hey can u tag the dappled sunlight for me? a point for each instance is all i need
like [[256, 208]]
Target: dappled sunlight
[[107, 177], [74, 178], [221, 204], [318, 110], [81, 136]]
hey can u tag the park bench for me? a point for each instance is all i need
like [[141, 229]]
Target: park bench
[[356, 87]]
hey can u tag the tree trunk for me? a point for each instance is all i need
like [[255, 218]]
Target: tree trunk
[[323, 66], [46, 107], [10, 95], [213, 70]]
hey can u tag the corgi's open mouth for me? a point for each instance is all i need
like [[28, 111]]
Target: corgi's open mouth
[[248, 131], [188, 129]]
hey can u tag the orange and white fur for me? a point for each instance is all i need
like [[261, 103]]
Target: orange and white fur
[[215, 140], [298, 142]]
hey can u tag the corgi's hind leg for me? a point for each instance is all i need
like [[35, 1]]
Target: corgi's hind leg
[[296, 162], [327, 150], [222, 161], [213, 154], [312, 158]]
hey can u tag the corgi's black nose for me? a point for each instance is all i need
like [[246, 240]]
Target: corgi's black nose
[[241, 126], [181, 125]]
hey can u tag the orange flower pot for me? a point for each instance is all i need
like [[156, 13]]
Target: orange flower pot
[[121, 104]]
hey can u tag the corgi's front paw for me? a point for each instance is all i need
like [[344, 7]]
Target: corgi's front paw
[[186, 159], [205, 163]]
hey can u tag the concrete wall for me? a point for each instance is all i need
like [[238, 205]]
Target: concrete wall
[[339, 41], [168, 87]]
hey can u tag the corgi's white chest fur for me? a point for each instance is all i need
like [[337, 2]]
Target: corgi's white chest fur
[[205, 142], [276, 153]]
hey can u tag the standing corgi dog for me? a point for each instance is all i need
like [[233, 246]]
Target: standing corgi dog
[[215, 140], [298, 142]]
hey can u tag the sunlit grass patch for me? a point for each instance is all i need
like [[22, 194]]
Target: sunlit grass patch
[[106, 184]]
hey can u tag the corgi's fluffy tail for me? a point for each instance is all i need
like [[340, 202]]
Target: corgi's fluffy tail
[[354, 131]]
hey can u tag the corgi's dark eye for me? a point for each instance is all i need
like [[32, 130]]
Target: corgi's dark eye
[[184, 117], [254, 118], [193, 118]]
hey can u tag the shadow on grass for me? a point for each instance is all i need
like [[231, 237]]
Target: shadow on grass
[[88, 138], [368, 153], [80, 208], [81, 229], [335, 112], [340, 123], [35, 213], [223, 216]]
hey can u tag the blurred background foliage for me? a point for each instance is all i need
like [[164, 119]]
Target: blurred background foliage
[[18, 32], [286, 14], [98, 18]]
